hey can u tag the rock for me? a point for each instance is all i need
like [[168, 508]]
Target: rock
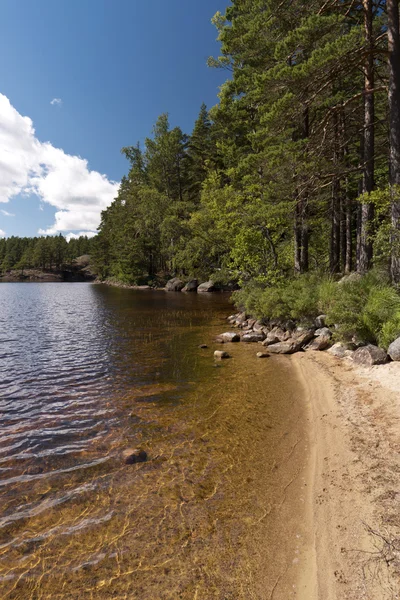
[[251, 323], [338, 350], [262, 355], [289, 325], [258, 327], [324, 331], [229, 336], [352, 278], [320, 321], [240, 319], [370, 355], [191, 286], [394, 350], [349, 354], [276, 335], [207, 286], [288, 347], [303, 336], [132, 456], [253, 337], [203, 346], [322, 342], [174, 285], [218, 354], [232, 319]]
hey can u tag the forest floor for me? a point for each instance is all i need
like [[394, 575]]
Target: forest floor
[[354, 417]]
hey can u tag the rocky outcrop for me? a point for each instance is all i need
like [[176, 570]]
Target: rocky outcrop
[[207, 286], [370, 355], [174, 285], [191, 286], [394, 350]]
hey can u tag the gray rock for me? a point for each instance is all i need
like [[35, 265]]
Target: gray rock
[[322, 342], [174, 285], [253, 337], [262, 354], [258, 327], [324, 331], [191, 286], [230, 336], [207, 286], [240, 319], [288, 347], [276, 335], [289, 325], [338, 350], [320, 321], [370, 355], [394, 350], [219, 355], [303, 336], [132, 456]]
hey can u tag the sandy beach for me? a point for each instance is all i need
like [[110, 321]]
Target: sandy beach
[[354, 468]]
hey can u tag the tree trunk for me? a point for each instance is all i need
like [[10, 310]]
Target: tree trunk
[[349, 241], [394, 131], [367, 209]]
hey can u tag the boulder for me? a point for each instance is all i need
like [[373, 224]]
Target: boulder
[[370, 355], [320, 321], [324, 331], [132, 456], [258, 327], [262, 354], [229, 336], [219, 355], [276, 335], [253, 337], [207, 286], [191, 286], [338, 350], [394, 350], [240, 319], [288, 347], [289, 325], [174, 285], [302, 336], [322, 342]]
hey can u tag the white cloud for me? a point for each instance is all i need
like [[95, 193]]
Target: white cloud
[[2, 233], [6, 214], [75, 236], [64, 181], [56, 102]]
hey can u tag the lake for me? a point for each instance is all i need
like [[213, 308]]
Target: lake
[[216, 512]]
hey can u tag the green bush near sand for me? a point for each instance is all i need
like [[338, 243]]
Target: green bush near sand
[[366, 307]]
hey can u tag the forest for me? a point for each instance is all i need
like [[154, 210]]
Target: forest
[[297, 167]]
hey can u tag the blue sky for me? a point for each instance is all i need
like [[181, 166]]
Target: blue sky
[[116, 65]]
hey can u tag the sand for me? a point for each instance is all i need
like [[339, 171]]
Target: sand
[[354, 477]]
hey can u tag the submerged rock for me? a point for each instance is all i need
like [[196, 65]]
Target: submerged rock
[[228, 336], [134, 455], [370, 355], [203, 346], [394, 350], [263, 355], [219, 355], [174, 285]]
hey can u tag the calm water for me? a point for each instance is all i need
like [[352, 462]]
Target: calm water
[[87, 371]]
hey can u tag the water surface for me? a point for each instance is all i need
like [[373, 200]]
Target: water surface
[[87, 371]]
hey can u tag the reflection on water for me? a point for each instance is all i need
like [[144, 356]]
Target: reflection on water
[[87, 371]]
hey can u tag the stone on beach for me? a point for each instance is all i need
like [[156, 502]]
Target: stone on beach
[[370, 355], [263, 355], [322, 342], [253, 337], [228, 336], [338, 350], [394, 350]]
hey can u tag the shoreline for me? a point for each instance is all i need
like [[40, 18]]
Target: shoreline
[[353, 478]]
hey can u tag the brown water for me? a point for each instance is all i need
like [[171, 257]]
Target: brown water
[[217, 511]]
